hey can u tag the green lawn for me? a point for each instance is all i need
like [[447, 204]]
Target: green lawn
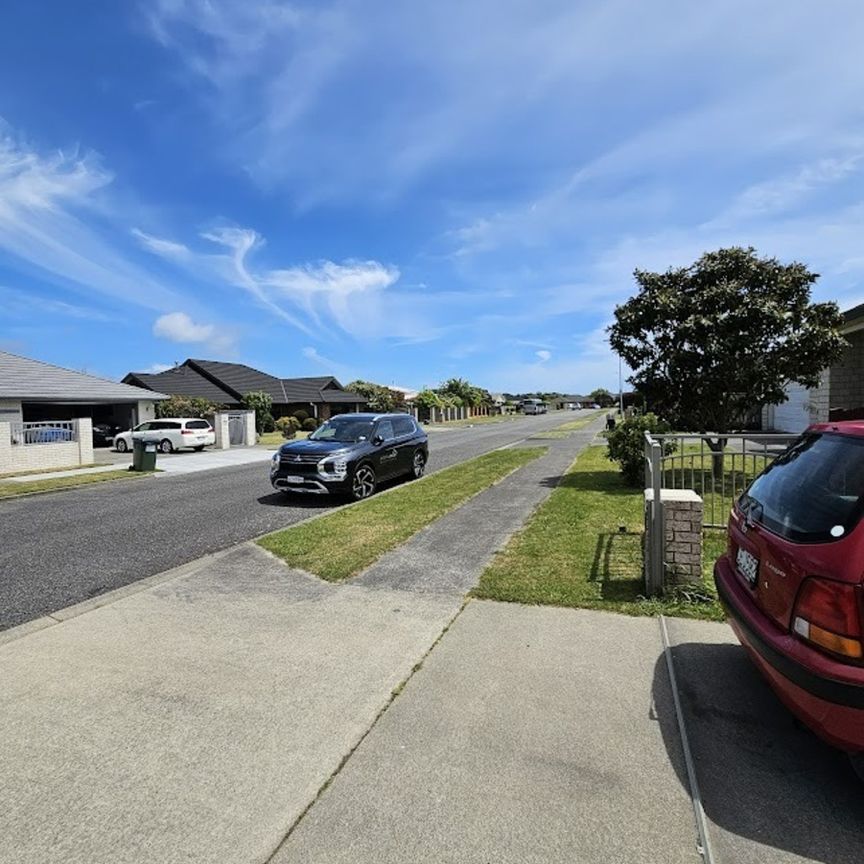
[[692, 468], [10, 490], [343, 543], [276, 439], [572, 553]]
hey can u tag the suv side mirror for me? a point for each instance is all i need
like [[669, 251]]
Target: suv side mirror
[[378, 440]]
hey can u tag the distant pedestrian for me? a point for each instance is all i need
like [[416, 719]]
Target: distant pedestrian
[[610, 420]]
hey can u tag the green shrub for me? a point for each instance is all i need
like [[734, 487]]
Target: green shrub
[[288, 426], [268, 424], [301, 415], [627, 445], [310, 424]]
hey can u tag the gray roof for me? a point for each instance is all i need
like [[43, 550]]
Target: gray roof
[[35, 381], [182, 381], [239, 379], [228, 383]]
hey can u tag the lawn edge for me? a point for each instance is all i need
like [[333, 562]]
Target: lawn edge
[[346, 579]]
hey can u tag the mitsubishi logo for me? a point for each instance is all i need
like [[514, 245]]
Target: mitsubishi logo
[[295, 458]]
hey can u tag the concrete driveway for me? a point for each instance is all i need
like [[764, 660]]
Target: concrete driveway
[[190, 461]]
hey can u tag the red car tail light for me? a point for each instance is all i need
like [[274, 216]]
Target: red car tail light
[[827, 613]]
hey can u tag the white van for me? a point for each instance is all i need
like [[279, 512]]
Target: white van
[[534, 406]]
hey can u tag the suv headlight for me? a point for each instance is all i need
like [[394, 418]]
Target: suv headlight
[[274, 462], [337, 468]]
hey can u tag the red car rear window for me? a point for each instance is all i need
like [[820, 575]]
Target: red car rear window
[[814, 492]]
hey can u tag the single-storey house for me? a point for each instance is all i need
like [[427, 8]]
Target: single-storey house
[[227, 383], [840, 394], [47, 413], [32, 391]]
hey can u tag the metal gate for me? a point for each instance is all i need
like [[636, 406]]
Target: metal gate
[[237, 430]]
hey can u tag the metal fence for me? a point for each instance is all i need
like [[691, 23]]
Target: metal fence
[[44, 432], [718, 468]]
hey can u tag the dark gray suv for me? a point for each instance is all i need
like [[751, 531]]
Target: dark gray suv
[[350, 455]]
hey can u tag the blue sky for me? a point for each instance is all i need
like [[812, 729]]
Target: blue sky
[[408, 191]]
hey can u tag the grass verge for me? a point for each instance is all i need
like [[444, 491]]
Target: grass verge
[[47, 470], [50, 484], [341, 544], [572, 553]]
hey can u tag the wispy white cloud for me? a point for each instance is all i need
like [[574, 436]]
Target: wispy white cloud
[[315, 297], [543, 355], [156, 368], [332, 367], [179, 327], [51, 205], [18, 303], [160, 246]]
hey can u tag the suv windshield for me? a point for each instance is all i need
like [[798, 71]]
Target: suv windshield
[[346, 429], [814, 492]]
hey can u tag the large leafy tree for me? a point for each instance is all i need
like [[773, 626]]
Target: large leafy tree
[[711, 342], [378, 397], [458, 391], [186, 406], [602, 397], [261, 403]]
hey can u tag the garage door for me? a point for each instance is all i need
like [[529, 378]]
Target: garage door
[[793, 415]]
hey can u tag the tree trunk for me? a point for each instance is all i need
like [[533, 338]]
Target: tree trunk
[[717, 447]]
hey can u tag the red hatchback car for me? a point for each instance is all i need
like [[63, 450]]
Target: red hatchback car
[[791, 580]]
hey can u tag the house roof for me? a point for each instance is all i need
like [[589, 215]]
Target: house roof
[[35, 381], [239, 379], [182, 381], [228, 383]]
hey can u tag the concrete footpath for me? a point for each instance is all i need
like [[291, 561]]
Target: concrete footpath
[[531, 735]]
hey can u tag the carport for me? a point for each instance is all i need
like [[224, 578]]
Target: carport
[[35, 395]]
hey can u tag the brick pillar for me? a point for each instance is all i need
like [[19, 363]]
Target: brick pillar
[[682, 510]]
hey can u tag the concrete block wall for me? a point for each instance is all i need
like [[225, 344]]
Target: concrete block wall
[[847, 381], [819, 399], [35, 457], [146, 411], [10, 411]]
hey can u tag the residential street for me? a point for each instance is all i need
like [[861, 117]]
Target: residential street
[[63, 548]]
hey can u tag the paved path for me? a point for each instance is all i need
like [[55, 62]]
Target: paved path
[[529, 736], [197, 719], [63, 548]]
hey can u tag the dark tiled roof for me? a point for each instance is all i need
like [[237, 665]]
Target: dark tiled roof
[[182, 381], [239, 379], [318, 389], [228, 383], [35, 381]]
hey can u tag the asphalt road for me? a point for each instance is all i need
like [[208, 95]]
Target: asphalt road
[[62, 548]]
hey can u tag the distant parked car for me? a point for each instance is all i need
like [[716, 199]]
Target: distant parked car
[[534, 406], [103, 434], [792, 585], [351, 454], [170, 433]]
